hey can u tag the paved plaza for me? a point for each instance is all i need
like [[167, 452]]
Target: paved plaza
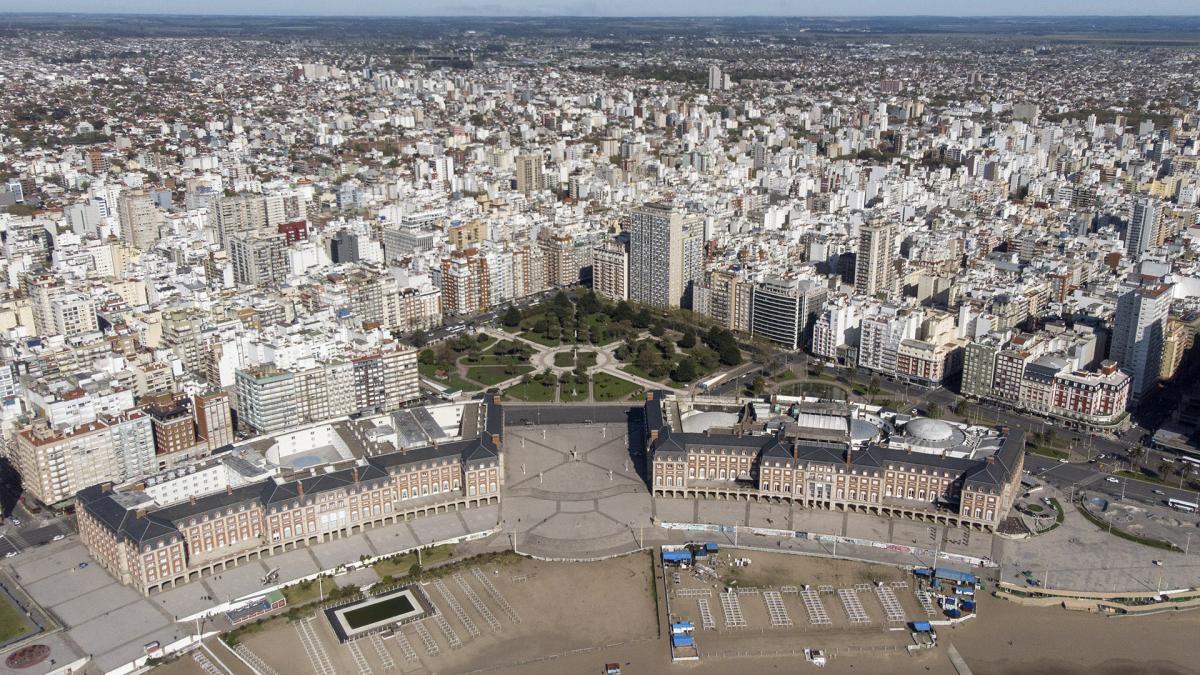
[[112, 623], [575, 491]]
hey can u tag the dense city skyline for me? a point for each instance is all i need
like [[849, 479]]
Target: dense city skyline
[[617, 8], [336, 344]]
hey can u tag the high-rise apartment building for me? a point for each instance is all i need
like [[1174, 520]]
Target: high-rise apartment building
[[266, 398], [139, 219], [466, 284], [530, 176], [1143, 228], [249, 213], [782, 310], [1139, 333], [259, 259], [665, 256], [610, 269], [214, 421], [874, 270], [716, 79]]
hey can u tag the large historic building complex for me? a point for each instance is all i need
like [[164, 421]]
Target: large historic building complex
[[159, 533], [834, 456]]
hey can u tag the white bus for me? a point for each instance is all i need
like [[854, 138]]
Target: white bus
[[1181, 505]]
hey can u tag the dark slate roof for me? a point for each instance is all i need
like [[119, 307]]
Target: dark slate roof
[[654, 411], [494, 416], [991, 475], [122, 522], [160, 523], [982, 474]]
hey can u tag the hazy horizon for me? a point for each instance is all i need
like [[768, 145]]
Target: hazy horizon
[[612, 9]]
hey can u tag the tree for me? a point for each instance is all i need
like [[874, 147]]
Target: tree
[[419, 339], [1164, 470], [688, 340], [873, 388], [622, 312], [933, 410], [482, 338], [730, 355], [589, 303], [657, 329], [642, 318], [649, 359], [818, 367], [960, 408], [561, 299], [1136, 454], [758, 385], [427, 357], [667, 348], [685, 371], [512, 317]]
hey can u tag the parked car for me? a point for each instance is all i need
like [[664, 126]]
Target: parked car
[[1062, 461], [11, 554], [1158, 492], [1112, 480], [58, 537]]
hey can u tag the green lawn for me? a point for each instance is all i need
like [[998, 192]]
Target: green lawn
[[490, 375], [541, 340], [634, 370], [308, 591], [493, 360], [586, 359], [572, 391], [1138, 475], [818, 389], [605, 387], [398, 566], [12, 621], [531, 391], [451, 380], [564, 360]]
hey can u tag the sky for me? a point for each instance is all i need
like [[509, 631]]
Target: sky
[[615, 7]]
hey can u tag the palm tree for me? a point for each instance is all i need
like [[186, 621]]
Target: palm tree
[[1136, 454]]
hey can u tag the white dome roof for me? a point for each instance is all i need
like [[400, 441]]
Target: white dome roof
[[929, 429]]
